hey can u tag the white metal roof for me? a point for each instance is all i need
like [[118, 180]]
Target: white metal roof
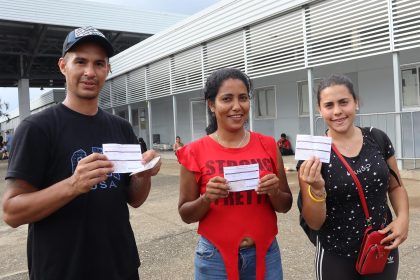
[[210, 23], [262, 43], [84, 13]]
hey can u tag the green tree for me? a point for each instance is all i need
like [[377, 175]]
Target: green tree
[[4, 106]]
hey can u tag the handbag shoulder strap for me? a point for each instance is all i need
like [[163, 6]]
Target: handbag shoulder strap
[[357, 182]]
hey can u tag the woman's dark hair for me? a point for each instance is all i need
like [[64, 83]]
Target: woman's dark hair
[[211, 88], [335, 80]]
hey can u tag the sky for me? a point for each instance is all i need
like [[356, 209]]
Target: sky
[[187, 7]]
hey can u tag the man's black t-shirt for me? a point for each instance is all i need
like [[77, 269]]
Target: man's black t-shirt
[[343, 229], [90, 237]]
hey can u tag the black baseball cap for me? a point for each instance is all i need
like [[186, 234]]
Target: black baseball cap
[[87, 34]]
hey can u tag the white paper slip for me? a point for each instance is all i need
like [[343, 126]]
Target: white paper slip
[[242, 177], [308, 146], [147, 166], [125, 157]]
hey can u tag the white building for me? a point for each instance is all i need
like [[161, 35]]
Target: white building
[[46, 100], [284, 46]]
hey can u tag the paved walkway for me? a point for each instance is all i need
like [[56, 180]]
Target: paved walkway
[[166, 244]]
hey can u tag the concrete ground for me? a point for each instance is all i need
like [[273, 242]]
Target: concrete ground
[[166, 244]]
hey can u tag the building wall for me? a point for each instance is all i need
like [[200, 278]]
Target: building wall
[[373, 82], [277, 48], [184, 114], [287, 120], [162, 119]]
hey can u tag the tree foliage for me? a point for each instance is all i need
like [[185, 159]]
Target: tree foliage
[[4, 106]]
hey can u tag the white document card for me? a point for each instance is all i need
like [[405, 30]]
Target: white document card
[[146, 166], [308, 146], [242, 177], [125, 157]]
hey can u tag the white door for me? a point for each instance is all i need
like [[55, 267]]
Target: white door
[[198, 119]]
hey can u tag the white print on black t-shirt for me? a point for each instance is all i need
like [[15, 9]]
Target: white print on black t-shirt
[[362, 169], [109, 183]]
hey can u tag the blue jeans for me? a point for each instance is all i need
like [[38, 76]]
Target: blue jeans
[[209, 262]]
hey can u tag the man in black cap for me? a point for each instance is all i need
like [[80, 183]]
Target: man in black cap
[[60, 184]]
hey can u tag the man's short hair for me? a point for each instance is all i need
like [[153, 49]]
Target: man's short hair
[[87, 34]]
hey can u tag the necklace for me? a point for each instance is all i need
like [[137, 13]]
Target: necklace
[[240, 143]]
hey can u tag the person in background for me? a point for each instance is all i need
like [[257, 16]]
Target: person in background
[[3, 152], [284, 145], [143, 145], [238, 229], [178, 144], [9, 140], [330, 200], [59, 182]]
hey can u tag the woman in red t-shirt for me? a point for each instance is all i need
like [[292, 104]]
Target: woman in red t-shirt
[[237, 228]]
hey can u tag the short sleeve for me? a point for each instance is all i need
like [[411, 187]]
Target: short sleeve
[[270, 146], [187, 157], [388, 148], [29, 154]]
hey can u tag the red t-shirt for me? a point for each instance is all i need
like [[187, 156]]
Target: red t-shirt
[[242, 214], [284, 143]]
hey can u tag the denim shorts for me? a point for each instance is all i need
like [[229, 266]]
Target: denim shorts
[[209, 262]]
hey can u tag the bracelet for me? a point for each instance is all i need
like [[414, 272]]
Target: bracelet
[[312, 196]]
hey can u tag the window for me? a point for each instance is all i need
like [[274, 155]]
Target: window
[[303, 96], [265, 103], [198, 118], [410, 87], [135, 117]]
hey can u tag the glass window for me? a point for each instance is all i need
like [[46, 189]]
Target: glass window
[[303, 96], [198, 119], [410, 87], [135, 117], [265, 103]]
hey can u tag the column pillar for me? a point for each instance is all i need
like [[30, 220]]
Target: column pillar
[[24, 100]]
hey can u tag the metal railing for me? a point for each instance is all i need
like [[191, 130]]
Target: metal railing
[[386, 121]]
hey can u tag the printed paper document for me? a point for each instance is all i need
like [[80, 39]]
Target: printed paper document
[[308, 145], [127, 158], [242, 177]]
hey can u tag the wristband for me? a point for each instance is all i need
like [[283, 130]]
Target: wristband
[[313, 198]]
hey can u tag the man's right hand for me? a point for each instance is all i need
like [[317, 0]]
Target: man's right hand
[[90, 171]]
